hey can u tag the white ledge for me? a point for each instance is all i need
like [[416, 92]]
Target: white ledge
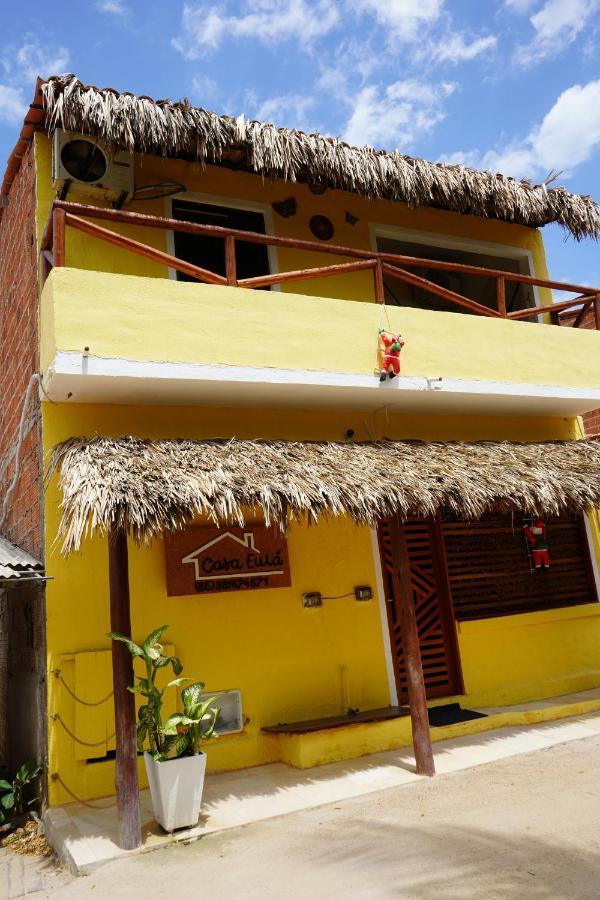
[[81, 378]]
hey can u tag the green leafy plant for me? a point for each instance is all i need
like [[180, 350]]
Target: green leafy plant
[[12, 794], [195, 724], [183, 733]]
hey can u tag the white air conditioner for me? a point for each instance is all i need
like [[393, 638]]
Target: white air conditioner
[[84, 165]]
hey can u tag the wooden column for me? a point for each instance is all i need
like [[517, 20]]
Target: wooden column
[[126, 778], [230, 263], [378, 281], [417, 698], [501, 296], [58, 232]]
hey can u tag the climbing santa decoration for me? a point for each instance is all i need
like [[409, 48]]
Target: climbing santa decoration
[[537, 539], [391, 345]]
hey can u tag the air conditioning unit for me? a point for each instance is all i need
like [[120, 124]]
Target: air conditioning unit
[[84, 165]]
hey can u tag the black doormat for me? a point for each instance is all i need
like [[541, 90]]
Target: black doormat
[[452, 713]]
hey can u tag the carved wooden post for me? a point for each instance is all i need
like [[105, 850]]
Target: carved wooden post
[[378, 279], [126, 777], [230, 264], [417, 698], [58, 233], [501, 296]]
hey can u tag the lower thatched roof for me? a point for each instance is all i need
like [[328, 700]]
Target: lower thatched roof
[[152, 486]]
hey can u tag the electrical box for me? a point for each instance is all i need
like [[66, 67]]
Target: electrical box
[[363, 592], [87, 167], [229, 704], [311, 599]]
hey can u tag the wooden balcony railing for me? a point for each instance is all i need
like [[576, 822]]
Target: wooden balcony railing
[[65, 215]]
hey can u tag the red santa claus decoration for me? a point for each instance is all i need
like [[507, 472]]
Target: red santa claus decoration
[[537, 538], [392, 345]]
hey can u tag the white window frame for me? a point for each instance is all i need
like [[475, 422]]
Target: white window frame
[[231, 203], [452, 242]]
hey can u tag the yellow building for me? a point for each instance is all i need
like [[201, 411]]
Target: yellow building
[[288, 510]]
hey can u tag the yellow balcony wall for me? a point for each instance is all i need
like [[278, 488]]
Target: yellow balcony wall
[[171, 326]]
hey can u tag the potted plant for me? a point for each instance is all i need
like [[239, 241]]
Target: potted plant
[[175, 764]]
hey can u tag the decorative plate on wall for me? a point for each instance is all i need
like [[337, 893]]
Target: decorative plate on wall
[[321, 227]]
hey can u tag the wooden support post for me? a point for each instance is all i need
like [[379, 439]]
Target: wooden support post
[[126, 777], [230, 265], [597, 311], [379, 286], [417, 698], [501, 296], [58, 234]]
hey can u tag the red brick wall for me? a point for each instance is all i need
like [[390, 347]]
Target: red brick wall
[[591, 420], [19, 359]]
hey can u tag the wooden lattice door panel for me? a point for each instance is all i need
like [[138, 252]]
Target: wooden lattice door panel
[[489, 570], [435, 623]]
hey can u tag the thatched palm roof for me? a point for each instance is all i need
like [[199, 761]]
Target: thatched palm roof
[[165, 128], [150, 486]]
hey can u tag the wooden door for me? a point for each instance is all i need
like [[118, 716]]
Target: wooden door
[[435, 619]]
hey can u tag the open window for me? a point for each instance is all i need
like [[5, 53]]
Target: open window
[[482, 290], [209, 252]]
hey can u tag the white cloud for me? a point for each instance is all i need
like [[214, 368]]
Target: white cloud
[[520, 6], [33, 59], [556, 25], [456, 49], [204, 89], [470, 158], [397, 115], [407, 19], [12, 104], [113, 8], [568, 136], [289, 110], [205, 25], [21, 66]]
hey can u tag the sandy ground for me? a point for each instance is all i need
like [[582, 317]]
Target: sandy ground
[[524, 827]]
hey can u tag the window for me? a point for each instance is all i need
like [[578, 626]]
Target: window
[[489, 567], [482, 290], [209, 252]]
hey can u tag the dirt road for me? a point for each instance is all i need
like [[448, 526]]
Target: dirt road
[[524, 827]]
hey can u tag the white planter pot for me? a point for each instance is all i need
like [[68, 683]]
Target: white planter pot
[[176, 789]]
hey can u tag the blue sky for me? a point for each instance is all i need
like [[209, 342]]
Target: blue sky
[[510, 85]]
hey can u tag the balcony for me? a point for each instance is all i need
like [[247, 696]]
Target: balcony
[[115, 338]]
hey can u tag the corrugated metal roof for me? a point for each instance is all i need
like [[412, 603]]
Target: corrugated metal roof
[[16, 563]]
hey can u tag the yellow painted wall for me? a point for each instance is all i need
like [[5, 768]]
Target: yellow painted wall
[[150, 319], [286, 660]]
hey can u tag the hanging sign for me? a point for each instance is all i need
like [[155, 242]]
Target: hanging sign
[[214, 560]]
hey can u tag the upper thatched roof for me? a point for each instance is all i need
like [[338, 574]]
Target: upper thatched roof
[[165, 128], [152, 486]]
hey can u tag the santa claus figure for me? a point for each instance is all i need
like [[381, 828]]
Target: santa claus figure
[[392, 345], [538, 543]]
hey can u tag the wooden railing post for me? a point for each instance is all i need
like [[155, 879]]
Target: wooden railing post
[[378, 280], [126, 775], [597, 311], [501, 296], [230, 264], [58, 237]]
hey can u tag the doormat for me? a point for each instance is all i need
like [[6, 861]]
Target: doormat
[[452, 713]]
